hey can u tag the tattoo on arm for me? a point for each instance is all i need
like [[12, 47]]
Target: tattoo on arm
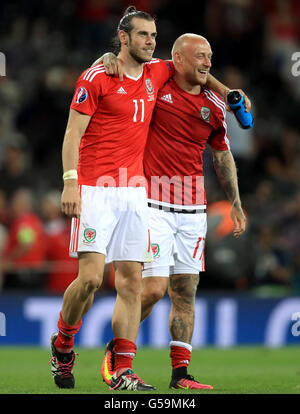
[[227, 174]]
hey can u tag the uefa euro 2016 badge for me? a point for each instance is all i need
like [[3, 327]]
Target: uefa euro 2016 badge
[[205, 113], [149, 85], [81, 95], [89, 235]]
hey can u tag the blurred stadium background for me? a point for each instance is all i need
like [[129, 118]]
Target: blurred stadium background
[[250, 292]]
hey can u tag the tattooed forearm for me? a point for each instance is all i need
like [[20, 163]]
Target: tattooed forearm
[[227, 174]]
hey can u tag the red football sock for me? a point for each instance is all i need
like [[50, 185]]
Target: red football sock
[[65, 338], [180, 354], [125, 351]]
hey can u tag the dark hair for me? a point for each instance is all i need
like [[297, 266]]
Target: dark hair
[[125, 24]]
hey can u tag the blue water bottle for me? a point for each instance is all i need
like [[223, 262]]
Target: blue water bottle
[[237, 104]]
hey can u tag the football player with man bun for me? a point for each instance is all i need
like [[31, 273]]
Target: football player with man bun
[[104, 191]]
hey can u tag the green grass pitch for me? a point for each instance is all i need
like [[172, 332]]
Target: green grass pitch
[[242, 370]]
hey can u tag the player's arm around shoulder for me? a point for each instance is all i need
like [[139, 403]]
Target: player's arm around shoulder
[[76, 126], [223, 90], [227, 174], [112, 64]]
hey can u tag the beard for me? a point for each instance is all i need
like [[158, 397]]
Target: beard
[[137, 55]]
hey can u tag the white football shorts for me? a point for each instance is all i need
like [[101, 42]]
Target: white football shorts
[[114, 221], [178, 241]]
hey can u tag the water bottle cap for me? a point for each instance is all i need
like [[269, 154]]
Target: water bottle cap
[[234, 97]]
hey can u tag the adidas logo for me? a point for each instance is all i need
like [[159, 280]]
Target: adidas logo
[[122, 91], [167, 98]]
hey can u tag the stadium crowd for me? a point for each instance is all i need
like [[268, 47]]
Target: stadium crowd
[[47, 44]]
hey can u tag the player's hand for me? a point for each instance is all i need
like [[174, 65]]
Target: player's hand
[[239, 219], [246, 100], [70, 199], [112, 64]]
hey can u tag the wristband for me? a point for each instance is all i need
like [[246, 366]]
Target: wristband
[[70, 175]]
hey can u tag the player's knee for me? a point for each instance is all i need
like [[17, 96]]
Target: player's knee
[[183, 288], [90, 274], [130, 286], [134, 288], [90, 282], [152, 294]]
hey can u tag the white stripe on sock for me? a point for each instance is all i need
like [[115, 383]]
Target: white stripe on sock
[[182, 344], [132, 354]]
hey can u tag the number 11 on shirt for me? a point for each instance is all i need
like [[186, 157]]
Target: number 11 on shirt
[[136, 107]]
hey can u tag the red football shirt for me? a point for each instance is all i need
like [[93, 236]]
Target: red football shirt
[[111, 150], [181, 126]]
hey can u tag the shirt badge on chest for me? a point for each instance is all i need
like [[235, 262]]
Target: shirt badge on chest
[[205, 113], [150, 90], [149, 85]]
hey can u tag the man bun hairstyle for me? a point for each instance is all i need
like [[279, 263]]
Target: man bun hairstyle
[[125, 24], [129, 14]]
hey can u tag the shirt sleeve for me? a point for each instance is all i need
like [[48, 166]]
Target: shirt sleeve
[[166, 71], [86, 95], [219, 138]]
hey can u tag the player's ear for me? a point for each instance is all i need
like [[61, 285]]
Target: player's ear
[[177, 58], [123, 37]]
